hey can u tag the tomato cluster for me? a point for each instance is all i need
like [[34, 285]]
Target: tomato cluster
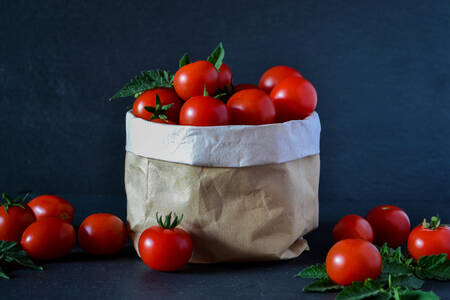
[[355, 258], [202, 93], [44, 229]]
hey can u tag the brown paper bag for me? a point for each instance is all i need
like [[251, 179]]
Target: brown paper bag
[[246, 213]]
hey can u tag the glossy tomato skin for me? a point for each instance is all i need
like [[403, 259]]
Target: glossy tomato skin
[[14, 222], [48, 238], [245, 86], [191, 79], [425, 241], [225, 77], [165, 249], [52, 206], [353, 260], [166, 95], [390, 225], [102, 234], [275, 75], [295, 98], [251, 107], [204, 111], [353, 227]]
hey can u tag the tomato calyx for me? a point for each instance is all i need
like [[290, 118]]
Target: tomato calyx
[[18, 201], [158, 111], [435, 223], [168, 223]]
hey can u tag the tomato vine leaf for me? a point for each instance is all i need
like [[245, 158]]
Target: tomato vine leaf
[[314, 272], [217, 56]]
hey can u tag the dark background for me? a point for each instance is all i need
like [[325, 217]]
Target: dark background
[[381, 70]]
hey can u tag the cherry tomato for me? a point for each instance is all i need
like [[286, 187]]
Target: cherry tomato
[[165, 248], [166, 96], [251, 107], [204, 111], [191, 80], [52, 206], [353, 260], [275, 75], [48, 238], [353, 227], [245, 86], [429, 239], [102, 234], [390, 225], [295, 99], [163, 121], [225, 77], [14, 219]]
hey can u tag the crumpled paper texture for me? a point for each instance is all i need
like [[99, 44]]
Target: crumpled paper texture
[[233, 214]]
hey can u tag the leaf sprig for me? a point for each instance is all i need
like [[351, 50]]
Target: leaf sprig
[[18, 201], [10, 252]]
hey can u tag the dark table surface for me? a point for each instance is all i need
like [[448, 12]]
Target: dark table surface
[[81, 276]]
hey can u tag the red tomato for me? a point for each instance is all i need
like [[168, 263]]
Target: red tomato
[[245, 86], [48, 238], [275, 75], [102, 234], [225, 77], [353, 227], [353, 260], [165, 248], [163, 121], [251, 107], [52, 206], [166, 95], [191, 80], [390, 225], [295, 99], [204, 111], [14, 219], [429, 239]]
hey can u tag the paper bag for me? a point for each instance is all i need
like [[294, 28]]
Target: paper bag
[[247, 193]]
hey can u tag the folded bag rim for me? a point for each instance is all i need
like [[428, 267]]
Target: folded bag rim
[[224, 146]]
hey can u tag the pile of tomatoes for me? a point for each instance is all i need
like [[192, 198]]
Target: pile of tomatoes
[[43, 228], [202, 93], [355, 258]]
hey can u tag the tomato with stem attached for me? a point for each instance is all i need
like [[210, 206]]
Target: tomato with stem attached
[[102, 234], [352, 227], [275, 75], [52, 206], [168, 100], [429, 239], [390, 225], [353, 260], [165, 247], [251, 107], [191, 80], [48, 238], [15, 217]]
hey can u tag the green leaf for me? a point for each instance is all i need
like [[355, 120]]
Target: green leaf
[[11, 252], [216, 57], [433, 267], [407, 280], [359, 290], [396, 268], [318, 271], [146, 81], [184, 60], [323, 285], [3, 274], [417, 295]]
